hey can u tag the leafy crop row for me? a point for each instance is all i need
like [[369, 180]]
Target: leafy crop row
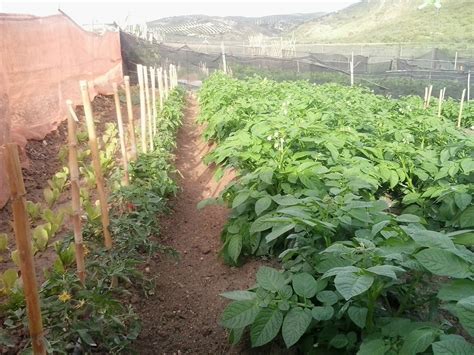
[[97, 317], [367, 201]]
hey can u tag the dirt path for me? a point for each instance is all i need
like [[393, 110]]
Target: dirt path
[[183, 315]]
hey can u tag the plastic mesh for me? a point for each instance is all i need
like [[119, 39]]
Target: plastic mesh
[[42, 60]]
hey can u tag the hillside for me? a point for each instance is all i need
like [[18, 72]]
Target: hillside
[[393, 21], [231, 28]]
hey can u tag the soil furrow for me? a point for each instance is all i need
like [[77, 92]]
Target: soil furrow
[[183, 314]]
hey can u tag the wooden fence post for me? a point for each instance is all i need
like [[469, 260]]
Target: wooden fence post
[[461, 108], [123, 146], [148, 107], [131, 123], [142, 108], [153, 98], [94, 147], [75, 192], [23, 244]]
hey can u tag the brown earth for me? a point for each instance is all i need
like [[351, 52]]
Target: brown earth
[[183, 315], [40, 161]]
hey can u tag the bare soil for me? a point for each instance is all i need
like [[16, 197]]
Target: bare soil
[[40, 161], [183, 315]]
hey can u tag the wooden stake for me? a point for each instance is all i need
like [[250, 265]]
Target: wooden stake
[[123, 147], [352, 72], [440, 102], [23, 244], [142, 108], [160, 86], [175, 76], [131, 123], [468, 86], [171, 77], [224, 63], [461, 108], [456, 61], [166, 83], [430, 90], [425, 101], [148, 107], [153, 98], [94, 147], [75, 192]]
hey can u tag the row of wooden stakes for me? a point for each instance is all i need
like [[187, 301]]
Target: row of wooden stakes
[[442, 94], [166, 80]]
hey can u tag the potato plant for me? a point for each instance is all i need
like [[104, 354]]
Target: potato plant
[[367, 202]]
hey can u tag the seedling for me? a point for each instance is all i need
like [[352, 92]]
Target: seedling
[[34, 210]]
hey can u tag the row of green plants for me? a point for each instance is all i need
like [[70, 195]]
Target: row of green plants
[[96, 317], [381, 84], [367, 203]]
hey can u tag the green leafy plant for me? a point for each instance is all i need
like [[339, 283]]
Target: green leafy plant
[[8, 281], [367, 203], [51, 195], [55, 220], [34, 210]]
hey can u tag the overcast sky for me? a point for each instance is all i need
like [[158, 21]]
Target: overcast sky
[[101, 11]]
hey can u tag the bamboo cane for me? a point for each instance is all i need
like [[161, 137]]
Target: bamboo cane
[[172, 77], [142, 108], [468, 86], [94, 147], [23, 244], [148, 107], [153, 98], [430, 91], [160, 86], [75, 192], [131, 123], [173, 70], [175, 76], [165, 75], [224, 63], [461, 108], [440, 102], [123, 147], [425, 100]]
